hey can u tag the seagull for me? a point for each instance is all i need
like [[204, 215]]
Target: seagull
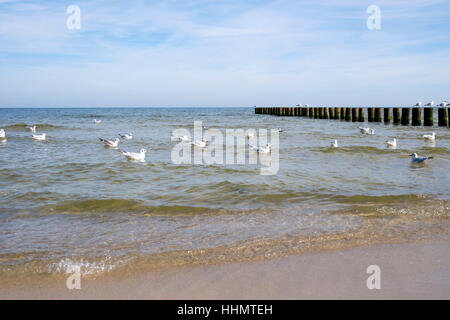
[[418, 104], [366, 130], [199, 143], [39, 137], [2, 134], [110, 143], [250, 135], [443, 104], [184, 138], [32, 129], [134, 156], [97, 121], [306, 105], [416, 159], [126, 136], [391, 143], [430, 104], [280, 130], [430, 137], [334, 144], [266, 149]]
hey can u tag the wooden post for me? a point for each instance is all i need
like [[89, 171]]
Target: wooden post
[[396, 113], [348, 114], [311, 112], [337, 111], [442, 117], [321, 113], [428, 117], [316, 113], [331, 112], [405, 116], [416, 117], [354, 114], [342, 114], [387, 115], [370, 112], [361, 114], [377, 114], [325, 113]]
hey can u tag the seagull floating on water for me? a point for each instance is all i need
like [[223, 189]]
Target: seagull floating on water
[[110, 143], [416, 159], [334, 144], [266, 149], [134, 156], [126, 136], [97, 121], [39, 137], [430, 104], [280, 130], [367, 130], [200, 143], [184, 138], [418, 104], [392, 143], [32, 129], [2, 134], [430, 137]]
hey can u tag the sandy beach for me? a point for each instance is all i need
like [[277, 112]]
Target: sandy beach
[[408, 271]]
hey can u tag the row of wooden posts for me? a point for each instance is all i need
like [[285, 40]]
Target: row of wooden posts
[[404, 116]]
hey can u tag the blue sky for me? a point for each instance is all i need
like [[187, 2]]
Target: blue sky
[[223, 53]]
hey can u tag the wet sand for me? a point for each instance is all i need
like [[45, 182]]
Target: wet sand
[[408, 271]]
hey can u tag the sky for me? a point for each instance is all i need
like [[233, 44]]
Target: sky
[[223, 53]]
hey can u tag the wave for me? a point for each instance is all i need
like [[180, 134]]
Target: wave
[[116, 206], [40, 127]]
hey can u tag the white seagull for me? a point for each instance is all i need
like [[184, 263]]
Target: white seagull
[[430, 104], [183, 138], [391, 143], [199, 143], [39, 137], [97, 121], [418, 104], [266, 149], [367, 130], [280, 130], [32, 129], [126, 136], [443, 104], [250, 135], [430, 137], [134, 156], [2, 134], [110, 143], [416, 159], [334, 144]]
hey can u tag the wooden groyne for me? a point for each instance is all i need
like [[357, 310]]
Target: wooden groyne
[[400, 116]]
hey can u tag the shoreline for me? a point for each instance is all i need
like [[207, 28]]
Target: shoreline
[[408, 271]]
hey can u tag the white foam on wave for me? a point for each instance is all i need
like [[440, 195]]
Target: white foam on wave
[[86, 267]]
